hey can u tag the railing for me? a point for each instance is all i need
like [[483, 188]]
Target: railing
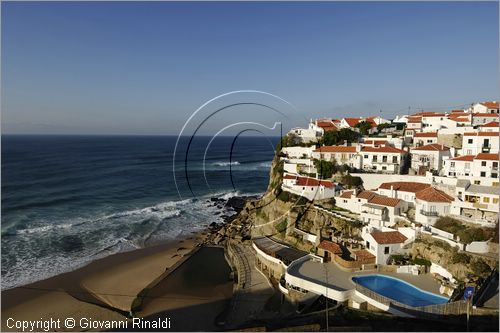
[[427, 213], [428, 311]]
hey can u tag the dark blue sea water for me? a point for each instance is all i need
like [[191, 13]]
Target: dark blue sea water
[[68, 200]]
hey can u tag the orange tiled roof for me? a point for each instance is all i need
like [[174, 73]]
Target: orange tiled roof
[[384, 201], [346, 194], [306, 181], [481, 134], [365, 194], [485, 115], [363, 254], [426, 114], [384, 149], [490, 105], [375, 142], [330, 247], [352, 122], [426, 135], [432, 147], [336, 149], [457, 111], [467, 158], [490, 124], [487, 156], [388, 237], [432, 194], [404, 186]]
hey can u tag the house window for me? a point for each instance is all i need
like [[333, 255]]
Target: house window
[[483, 173], [384, 168], [366, 156], [452, 164], [367, 244], [483, 163], [495, 164], [495, 200], [469, 141], [394, 159], [486, 200], [494, 175], [386, 250], [384, 158], [374, 158], [477, 182]]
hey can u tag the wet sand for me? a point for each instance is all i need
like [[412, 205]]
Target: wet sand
[[106, 288]]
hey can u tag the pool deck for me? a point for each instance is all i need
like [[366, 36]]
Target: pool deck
[[329, 274]]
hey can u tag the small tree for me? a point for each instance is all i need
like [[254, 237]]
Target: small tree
[[325, 168], [351, 181], [364, 127]]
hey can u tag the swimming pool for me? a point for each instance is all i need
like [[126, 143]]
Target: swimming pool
[[399, 290]]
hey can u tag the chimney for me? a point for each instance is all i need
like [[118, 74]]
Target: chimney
[[392, 191], [345, 142]]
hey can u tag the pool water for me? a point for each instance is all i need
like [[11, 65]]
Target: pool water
[[399, 290]]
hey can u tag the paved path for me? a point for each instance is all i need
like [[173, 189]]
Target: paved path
[[253, 290]]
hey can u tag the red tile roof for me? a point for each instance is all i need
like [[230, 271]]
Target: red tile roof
[[490, 124], [487, 156], [485, 115], [336, 149], [490, 105], [352, 122], [384, 149], [427, 114], [432, 147], [414, 119], [457, 111], [363, 254], [467, 158], [375, 142], [306, 181], [388, 237], [413, 187], [327, 125], [384, 201], [330, 247], [365, 194], [481, 134], [426, 135], [434, 115], [346, 194], [432, 194], [460, 119]]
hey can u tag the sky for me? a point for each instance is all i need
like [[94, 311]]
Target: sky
[[144, 68]]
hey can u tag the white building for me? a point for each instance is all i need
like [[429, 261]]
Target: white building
[[483, 118], [489, 127], [353, 200], [428, 158], [402, 190], [384, 159], [381, 211], [430, 204], [484, 107], [476, 203], [474, 143], [310, 188], [298, 151], [382, 244], [460, 166], [432, 122], [425, 138], [347, 155]]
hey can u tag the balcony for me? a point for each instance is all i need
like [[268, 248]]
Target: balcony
[[486, 149], [428, 213]]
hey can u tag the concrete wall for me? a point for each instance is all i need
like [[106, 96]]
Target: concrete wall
[[373, 180], [478, 247]]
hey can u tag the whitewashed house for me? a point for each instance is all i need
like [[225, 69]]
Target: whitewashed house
[[483, 118], [384, 159], [432, 122], [347, 155], [474, 143], [428, 157], [489, 127], [425, 138], [460, 166], [383, 244], [430, 204], [353, 200], [402, 190], [310, 188], [381, 211], [476, 203], [484, 107], [298, 152]]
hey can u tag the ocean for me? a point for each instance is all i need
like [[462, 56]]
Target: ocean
[[69, 200]]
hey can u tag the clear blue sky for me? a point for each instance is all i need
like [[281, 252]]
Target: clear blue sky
[[142, 68]]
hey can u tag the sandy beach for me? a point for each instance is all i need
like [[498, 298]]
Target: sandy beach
[[105, 289]]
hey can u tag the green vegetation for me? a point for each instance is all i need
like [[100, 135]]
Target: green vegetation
[[284, 196], [334, 138], [325, 168], [364, 127], [281, 226], [421, 261], [466, 234], [460, 258], [381, 127], [351, 181]]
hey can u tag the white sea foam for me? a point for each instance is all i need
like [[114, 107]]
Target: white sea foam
[[221, 164]]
